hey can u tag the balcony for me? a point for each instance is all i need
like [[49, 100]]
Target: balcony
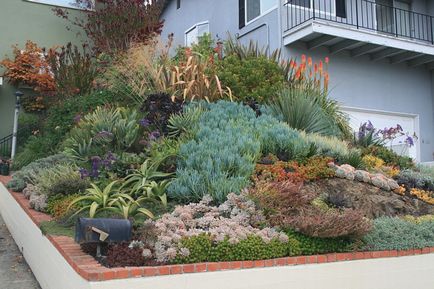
[[361, 27]]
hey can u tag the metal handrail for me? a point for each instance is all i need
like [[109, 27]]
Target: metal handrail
[[363, 14]]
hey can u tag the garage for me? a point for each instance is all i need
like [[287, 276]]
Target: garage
[[386, 119]]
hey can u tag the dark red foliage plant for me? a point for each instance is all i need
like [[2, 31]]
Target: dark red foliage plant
[[287, 205], [121, 255], [113, 25]]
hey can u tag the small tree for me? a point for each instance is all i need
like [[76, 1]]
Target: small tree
[[112, 25], [30, 68]]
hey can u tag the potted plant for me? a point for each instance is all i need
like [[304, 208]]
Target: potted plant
[[4, 167]]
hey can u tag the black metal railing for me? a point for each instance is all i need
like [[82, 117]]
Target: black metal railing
[[6, 146], [362, 14]]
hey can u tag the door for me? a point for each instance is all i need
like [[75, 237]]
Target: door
[[385, 16], [403, 18]]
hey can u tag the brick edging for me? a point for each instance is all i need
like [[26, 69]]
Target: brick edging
[[88, 268]]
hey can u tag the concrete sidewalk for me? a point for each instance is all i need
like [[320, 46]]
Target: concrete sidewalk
[[14, 271]]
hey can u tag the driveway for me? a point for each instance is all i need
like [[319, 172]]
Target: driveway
[[14, 271]]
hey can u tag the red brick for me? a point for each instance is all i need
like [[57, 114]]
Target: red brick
[[410, 252], [225, 265], [376, 254], [331, 257], [122, 273], [176, 269], [211, 267], [417, 251], [247, 264], [269, 263], [321, 259], [260, 263], [188, 268], [368, 255], [93, 275], [431, 250], [164, 270], [393, 253], [201, 267], [311, 259], [149, 271], [301, 260], [341, 256], [236, 265], [280, 262], [425, 251], [108, 275], [291, 261]]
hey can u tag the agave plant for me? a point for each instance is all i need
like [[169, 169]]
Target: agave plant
[[186, 122], [147, 182], [130, 208]]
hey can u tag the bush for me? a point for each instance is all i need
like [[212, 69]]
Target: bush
[[202, 248], [312, 245], [58, 122], [255, 78], [286, 206], [390, 157], [122, 255], [302, 110], [232, 226], [220, 159], [328, 146], [411, 179], [26, 174], [398, 234], [58, 206]]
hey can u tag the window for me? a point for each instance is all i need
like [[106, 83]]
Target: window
[[256, 8], [193, 34], [62, 3], [301, 3], [178, 4]]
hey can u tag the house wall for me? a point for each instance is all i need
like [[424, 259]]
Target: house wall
[[21, 21], [356, 82]]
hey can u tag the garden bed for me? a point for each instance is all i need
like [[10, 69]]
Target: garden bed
[[58, 260]]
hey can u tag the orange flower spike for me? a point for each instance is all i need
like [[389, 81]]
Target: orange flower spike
[[303, 58], [327, 60], [321, 66], [309, 61]]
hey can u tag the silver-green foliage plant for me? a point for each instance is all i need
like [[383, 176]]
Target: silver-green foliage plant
[[328, 145], [186, 122], [221, 156], [107, 129], [398, 234], [24, 176]]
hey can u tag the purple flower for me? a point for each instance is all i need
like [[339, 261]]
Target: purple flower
[[83, 173], [77, 118], [144, 122], [154, 135], [409, 141]]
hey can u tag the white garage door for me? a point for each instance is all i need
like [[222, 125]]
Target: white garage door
[[382, 120]]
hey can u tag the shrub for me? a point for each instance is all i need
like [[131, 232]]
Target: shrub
[[73, 71], [328, 146], [60, 180], [58, 122], [302, 110], [220, 159], [313, 245], [29, 68], [372, 163], [286, 206], [411, 179], [26, 174], [254, 78], [58, 206], [398, 234], [202, 248], [390, 157], [197, 225], [104, 130], [115, 25], [123, 255]]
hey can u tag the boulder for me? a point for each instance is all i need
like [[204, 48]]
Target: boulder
[[373, 201]]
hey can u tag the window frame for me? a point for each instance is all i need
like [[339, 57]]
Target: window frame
[[331, 13], [261, 14], [52, 3], [195, 26]]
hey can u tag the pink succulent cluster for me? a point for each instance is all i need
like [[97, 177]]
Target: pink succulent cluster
[[234, 220]]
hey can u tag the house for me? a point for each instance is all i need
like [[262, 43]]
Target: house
[[22, 20], [381, 51]]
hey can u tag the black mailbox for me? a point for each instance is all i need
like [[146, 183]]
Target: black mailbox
[[102, 230]]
